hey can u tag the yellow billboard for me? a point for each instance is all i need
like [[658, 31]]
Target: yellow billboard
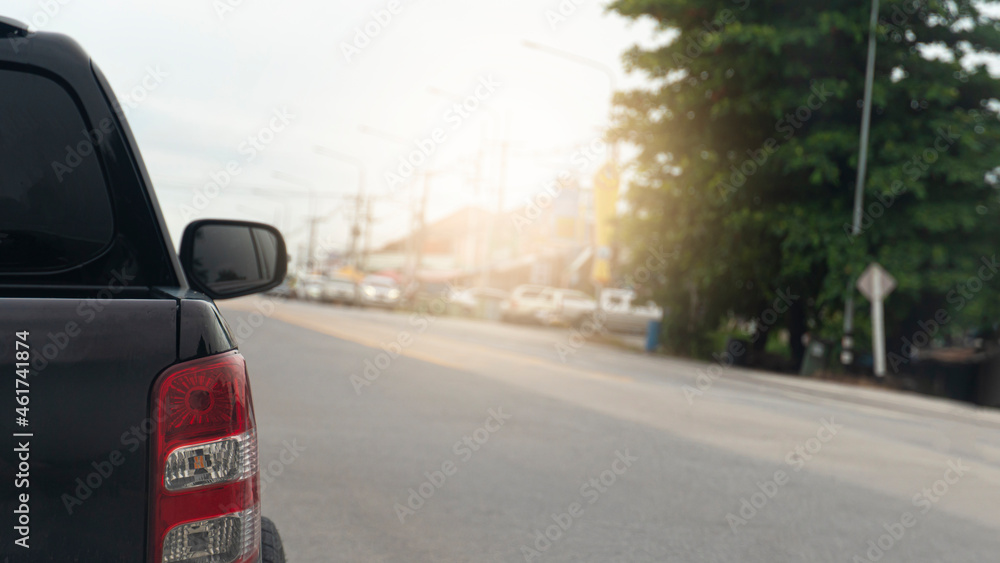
[[606, 187]]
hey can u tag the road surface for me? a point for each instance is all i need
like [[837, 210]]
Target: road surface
[[398, 437]]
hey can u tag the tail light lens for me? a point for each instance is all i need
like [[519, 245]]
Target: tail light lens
[[209, 463], [205, 489]]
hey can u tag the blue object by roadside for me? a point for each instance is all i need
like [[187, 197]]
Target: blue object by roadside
[[653, 335]]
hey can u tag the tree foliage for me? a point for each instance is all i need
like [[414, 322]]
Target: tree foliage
[[749, 136]]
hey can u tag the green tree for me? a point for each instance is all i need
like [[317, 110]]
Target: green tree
[[748, 136]]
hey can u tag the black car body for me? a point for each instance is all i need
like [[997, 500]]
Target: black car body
[[114, 357]]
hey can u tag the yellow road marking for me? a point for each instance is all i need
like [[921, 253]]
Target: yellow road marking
[[329, 329]]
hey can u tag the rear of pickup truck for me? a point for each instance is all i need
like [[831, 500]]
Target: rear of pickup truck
[[127, 430]]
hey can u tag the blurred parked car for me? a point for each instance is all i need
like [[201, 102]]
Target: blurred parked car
[[622, 314], [525, 303], [341, 290], [480, 302], [380, 291], [283, 291], [311, 288], [548, 305], [566, 307], [435, 297]]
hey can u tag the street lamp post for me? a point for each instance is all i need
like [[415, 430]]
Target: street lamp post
[[607, 70], [313, 220], [481, 252], [410, 243], [612, 83], [376, 132], [418, 214], [847, 344], [359, 205], [592, 63]]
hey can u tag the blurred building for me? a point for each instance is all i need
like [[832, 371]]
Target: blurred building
[[547, 241], [447, 247]]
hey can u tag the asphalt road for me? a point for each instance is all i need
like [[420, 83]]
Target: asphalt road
[[471, 441]]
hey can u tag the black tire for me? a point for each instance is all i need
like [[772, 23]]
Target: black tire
[[271, 550]]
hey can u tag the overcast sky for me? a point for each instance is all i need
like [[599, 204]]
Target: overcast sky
[[198, 78]]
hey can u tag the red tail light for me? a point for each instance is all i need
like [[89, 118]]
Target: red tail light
[[205, 482]]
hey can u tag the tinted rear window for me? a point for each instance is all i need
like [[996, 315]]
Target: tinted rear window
[[54, 207]]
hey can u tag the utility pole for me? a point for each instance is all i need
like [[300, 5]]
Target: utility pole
[[368, 232], [480, 244], [359, 198], [493, 231], [421, 230], [311, 262], [359, 212], [479, 251], [502, 185], [847, 343], [612, 84], [303, 258], [313, 220]]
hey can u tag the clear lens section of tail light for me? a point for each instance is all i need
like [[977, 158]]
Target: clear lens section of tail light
[[211, 463], [224, 539]]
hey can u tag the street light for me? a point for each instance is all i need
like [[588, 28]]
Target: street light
[[410, 243], [310, 263], [362, 191], [612, 82], [847, 344], [369, 130], [592, 63], [487, 245], [607, 70]]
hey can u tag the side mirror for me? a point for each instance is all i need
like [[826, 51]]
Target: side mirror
[[226, 259]]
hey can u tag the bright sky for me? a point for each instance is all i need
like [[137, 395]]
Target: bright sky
[[199, 78]]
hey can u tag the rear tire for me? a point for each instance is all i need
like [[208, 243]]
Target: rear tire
[[271, 550]]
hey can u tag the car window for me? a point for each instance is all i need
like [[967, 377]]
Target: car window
[[55, 212]]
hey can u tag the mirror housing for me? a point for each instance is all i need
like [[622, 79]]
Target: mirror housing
[[227, 259]]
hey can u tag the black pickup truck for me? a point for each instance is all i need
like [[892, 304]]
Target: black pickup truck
[[127, 429]]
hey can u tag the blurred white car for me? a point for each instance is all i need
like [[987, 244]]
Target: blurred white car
[[380, 291], [622, 314], [310, 288], [569, 307], [548, 305], [526, 302], [283, 291], [484, 302], [340, 290]]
